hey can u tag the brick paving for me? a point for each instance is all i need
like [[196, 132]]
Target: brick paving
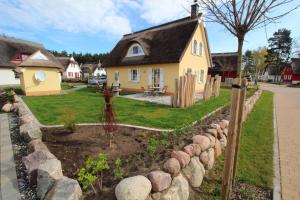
[[287, 104]]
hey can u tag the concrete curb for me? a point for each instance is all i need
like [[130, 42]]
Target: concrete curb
[[276, 158]]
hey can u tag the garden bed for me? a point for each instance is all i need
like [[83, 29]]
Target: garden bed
[[140, 151]]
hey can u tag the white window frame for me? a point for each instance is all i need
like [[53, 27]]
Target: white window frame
[[132, 73], [201, 76], [194, 47], [130, 52], [200, 49], [117, 76]]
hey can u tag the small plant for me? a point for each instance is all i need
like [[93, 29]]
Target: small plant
[[92, 170], [164, 139], [9, 93], [118, 172], [152, 145], [68, 119]]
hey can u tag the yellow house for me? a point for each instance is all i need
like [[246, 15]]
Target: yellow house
[[154, 57], [40, 74]]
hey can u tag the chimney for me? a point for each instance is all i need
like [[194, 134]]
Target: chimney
[[194, 10]]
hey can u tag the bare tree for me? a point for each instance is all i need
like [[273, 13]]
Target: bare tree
[[240, 17]]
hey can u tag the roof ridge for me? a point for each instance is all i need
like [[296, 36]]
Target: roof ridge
[[18, 40], [165, 25]]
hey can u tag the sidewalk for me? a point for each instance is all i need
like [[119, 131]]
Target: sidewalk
[[9, 185], [287, 103]]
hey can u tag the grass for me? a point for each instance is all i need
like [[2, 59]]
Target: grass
[[255, 164], [67, 86], [88, 107]]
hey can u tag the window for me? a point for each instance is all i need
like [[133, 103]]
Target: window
[[200, 49], [70, 74], [135, 50], [201, 76], [134, 75], [117, 76], [195, 47], [156, 77]]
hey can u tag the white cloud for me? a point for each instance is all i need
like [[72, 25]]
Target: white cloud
[[157, 11], [90, 16]]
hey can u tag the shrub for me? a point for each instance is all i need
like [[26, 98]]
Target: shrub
[[68, 118], [118, 172], [92, 170], [152, 145]]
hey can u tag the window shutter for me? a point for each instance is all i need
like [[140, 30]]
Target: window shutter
[[150, 76], [162, 78], [129, 75], [138, 75]]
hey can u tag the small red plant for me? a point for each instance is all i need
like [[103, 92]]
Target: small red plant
[[109, 115]]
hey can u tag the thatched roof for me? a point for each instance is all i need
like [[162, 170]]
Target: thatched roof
[[41, 58], [90, 67], [296, 65], [10, 48], [65, 61], [161, 44], [224, 61]]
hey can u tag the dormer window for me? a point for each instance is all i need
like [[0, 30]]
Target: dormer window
[[135, 50]]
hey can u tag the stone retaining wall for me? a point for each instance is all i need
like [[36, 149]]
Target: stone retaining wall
[[185, 169], [43, 168]]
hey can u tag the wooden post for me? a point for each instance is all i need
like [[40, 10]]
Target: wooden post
[[211, 87], [231, 144], [181, 92], [240, 121], [206, 88], [176, 93]]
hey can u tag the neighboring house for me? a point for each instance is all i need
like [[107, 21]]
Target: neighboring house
[[99, 70], [12, 52], [224, 65], [92, 69], [40, 74], [292, 73], [158, 55], [272, 73], [71, 68]]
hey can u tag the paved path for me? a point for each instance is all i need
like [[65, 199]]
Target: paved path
[[287, 104], [9, 186]]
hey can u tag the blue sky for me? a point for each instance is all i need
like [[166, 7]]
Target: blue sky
[[97, 25]]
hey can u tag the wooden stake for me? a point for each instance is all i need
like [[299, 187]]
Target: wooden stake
[[240, 121], [231, 144]]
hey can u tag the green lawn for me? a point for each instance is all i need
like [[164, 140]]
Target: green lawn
[[67, 86], [255, 164], [88, 107]]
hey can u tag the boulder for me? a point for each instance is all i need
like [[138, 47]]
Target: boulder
[[204, 158], [212, 131], [7, 107], [30, 131], [225, 131], [36, 145], [172, 166], [211, 158], [22, 110], [218, 149], [223, 142], [192, 149], [65, 189], [179, 190], [47, 174], [222, 125], [226, 122], [194, 172], [27, 118], [215, 126], [133, 188], [220, 133], [212, 139], [15, 107], [33, 161], [156, 196], [182, 157], [16, 98], [159, 180], [203, 141]]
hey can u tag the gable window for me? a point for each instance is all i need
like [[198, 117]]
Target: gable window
[[195, 44], [135, 50], [200, 49]]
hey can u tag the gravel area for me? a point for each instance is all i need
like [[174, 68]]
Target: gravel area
[[20, 150]]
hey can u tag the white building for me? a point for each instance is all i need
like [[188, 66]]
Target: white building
[[71, 68]]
